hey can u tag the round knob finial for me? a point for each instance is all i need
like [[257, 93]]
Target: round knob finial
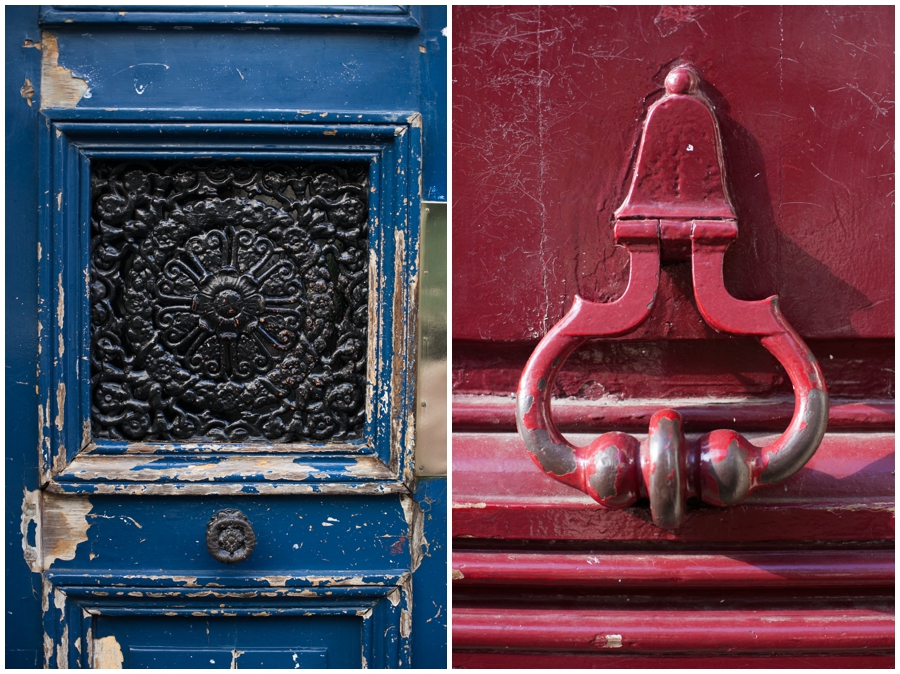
[[230, 537], [681, 81]]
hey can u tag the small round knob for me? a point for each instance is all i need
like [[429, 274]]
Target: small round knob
[[681, 81], [229, 536]]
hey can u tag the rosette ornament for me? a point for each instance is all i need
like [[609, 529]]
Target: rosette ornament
[[229, 304]]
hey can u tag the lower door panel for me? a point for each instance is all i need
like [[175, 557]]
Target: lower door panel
[[228, 642]]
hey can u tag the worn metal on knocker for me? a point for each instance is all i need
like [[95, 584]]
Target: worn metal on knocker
[[678, 208]]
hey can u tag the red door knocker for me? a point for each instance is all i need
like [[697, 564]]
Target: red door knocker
[[677, 203]]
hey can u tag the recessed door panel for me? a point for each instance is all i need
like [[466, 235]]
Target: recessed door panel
[[230, 642]]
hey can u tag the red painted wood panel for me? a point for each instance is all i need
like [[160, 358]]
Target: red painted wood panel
[[547, 109], [548, 104]]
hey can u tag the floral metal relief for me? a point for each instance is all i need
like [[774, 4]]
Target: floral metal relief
[[229, 302]]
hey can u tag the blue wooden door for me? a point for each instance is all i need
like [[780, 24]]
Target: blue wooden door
[[213, 225]]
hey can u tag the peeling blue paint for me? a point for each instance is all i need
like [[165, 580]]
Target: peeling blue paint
[[333, 538]]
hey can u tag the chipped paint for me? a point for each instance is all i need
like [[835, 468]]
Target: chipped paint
[[64, 527], [394, 597], [406, 614], [88, 640], [61, 313], [27, 91], [59, 600], [60, 406], [329, 581], [405, 623], [59, 203], [62, 650], [189, 581], [31, 514], [415, 523], [124, 518], [60, 461], [275, 581], [235, 654], [608, 640], [59, 87], [46, 590], [45, 439], [415, 120], [210, 487], [41, 422], [456, 574], [107, 653], [374, 334], [393, 397], [48, 650]]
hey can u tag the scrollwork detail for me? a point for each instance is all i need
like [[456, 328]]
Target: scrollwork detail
[[226, 301]]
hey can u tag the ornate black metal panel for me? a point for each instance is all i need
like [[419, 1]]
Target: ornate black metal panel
[[229, 301]]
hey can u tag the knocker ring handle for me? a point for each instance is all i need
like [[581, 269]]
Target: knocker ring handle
[[688, 216]]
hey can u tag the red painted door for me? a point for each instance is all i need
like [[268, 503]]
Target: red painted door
[[549, 104]]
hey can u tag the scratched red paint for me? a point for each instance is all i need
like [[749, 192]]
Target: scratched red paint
[[547, 109], [545, 103]]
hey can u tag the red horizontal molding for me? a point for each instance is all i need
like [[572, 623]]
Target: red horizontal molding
[[488, 660], [663, 631], [816, 568], [498, 414], [746, 524], [844, 493]]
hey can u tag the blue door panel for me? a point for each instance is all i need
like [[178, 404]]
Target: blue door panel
[[295, 536], [320, 72], [430, 578], [23, 588], [107, 564], [433, 101]]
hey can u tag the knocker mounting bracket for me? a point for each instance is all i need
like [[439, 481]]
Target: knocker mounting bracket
[[677, 207]]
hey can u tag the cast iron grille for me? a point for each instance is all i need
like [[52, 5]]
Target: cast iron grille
[[229, 301]]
